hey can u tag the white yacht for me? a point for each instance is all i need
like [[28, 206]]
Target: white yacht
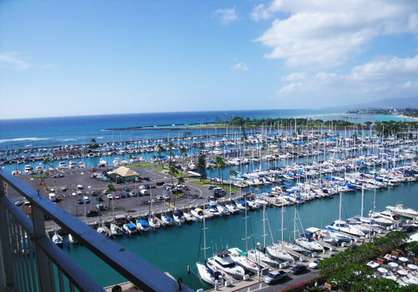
[[276, 251], [259, 257], [223, 262], [198, 213], [154, 222], [209, 275], [115, 230], [342, 226], [240, 258], [309, 245], [404, 212]]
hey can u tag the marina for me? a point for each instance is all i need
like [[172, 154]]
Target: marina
[[269, 187]]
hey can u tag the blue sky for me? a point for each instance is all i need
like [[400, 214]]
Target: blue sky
[[97, 57]]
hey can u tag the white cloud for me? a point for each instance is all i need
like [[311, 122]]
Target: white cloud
[[226, 16], [295, 76], [326, 32], [240, 66], [13, 60], [265, 11], [386, 78]]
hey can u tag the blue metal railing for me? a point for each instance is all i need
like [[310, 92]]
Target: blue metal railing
[[29, 261]]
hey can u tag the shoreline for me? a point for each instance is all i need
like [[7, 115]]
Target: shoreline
[[415, 119]]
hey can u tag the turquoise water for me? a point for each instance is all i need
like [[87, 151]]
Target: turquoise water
[[174, 248]]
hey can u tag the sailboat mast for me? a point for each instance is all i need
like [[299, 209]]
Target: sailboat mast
[[339, 208], [264, 225], [362, 201], [374, 200], [204, 237], [246, 227], [294, 225], [282, 223]]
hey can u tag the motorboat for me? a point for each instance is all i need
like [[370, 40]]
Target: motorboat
[[223, 210], [104, 230], [224, 263], [342, 226], [240, 258], [402, 211], [142, 224], [57, 240], [28, 168], [167, 219], [198, 213], [189, 217], [379, 219], [209, 275], [231, 208], [154, 222], [213, 209], [178, 217], [129, 228], [115, 230]]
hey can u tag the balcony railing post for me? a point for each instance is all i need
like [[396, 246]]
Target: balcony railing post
[[6, 271], [46, 277]]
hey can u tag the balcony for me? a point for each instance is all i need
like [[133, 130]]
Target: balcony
[[30, 261]]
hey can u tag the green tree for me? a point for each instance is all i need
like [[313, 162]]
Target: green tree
[[201, 165], [220, 164], [160, 149], [110, 188], [183, 152], [173, 171]]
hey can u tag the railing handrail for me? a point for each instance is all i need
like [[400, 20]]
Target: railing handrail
[[138, 271], [63, 261]]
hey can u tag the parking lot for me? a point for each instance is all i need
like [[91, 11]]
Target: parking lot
[[85, 192]]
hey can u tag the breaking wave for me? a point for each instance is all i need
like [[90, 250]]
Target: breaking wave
[[23, 139]]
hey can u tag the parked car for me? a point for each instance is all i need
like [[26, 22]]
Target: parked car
[[100, 207], [92, 213], [274, 277], [299, 269]]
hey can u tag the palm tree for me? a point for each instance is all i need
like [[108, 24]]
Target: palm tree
[[220, 163], [183, 151], [160, 149], [170, 147], [173, 171], [180, 180], [232, 172], [201, 165]]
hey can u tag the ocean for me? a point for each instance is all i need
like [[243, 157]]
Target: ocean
[[41, 132]]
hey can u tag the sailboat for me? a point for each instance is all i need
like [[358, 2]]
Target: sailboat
[[259, 256], [240, 258], [363, 223], [304, 240], [343, 226], [276, 251], [207, 274]]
